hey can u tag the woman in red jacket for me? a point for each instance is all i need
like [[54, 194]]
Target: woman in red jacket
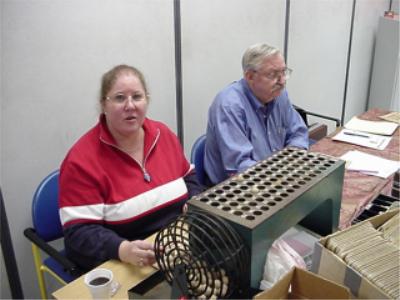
[[123, 180]]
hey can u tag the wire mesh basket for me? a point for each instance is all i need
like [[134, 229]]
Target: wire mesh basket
[[211, 253]]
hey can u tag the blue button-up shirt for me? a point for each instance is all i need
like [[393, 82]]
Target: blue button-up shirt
[[242, 131]]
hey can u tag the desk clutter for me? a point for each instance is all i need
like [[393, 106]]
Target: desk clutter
[[392, 117], [364, 257], [379, 205], [359, 161], [373, 253], [368, 140], [375, 127], [382, 203], [370, 134]]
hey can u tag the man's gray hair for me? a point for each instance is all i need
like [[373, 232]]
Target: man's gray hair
[[255, 54]]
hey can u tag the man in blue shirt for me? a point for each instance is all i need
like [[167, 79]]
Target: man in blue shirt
[[252, 118]]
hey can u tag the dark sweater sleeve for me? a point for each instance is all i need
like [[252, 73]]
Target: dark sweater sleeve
[[89, 245], [192, 184]]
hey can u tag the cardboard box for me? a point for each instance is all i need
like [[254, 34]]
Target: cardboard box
[[301, 284], [332, 267]]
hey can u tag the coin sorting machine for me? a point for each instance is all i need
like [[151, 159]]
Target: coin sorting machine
[[290, 187]]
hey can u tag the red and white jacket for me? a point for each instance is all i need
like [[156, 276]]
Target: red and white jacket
[[107, 197]]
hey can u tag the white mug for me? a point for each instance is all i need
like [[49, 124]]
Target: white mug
[[100, 283]]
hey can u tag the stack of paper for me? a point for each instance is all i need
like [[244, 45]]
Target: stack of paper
[[370, 164], [392, 117], [375, 127], [360, 138]]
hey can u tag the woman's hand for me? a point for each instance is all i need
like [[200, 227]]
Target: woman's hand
[[139, 253]]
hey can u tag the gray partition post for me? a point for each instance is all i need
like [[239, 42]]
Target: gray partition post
[[9, 256]]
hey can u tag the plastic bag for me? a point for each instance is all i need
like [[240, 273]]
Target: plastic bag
[[280, 260]]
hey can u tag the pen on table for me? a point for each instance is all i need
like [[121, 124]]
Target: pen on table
[[355, 134]]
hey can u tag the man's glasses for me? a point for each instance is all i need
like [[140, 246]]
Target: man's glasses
[[120, 98], [276, 75]]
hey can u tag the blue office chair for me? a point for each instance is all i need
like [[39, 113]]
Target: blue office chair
[[46, 228], [197, 158]]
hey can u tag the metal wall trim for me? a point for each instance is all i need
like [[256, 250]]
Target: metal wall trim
[[286, 39], [346, 82], [178, 70]]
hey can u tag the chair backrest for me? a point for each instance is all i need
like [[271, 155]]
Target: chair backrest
[[302, 113], [197, 158], [45, 213]]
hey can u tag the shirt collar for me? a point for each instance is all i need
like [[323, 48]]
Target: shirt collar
[[255, 103]]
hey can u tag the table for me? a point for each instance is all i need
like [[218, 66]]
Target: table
[[127, 275], [360, 189]]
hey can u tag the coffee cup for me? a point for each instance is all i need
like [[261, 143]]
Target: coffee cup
[[100, 283]]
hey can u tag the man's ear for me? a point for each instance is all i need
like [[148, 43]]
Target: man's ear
[[249, 75]]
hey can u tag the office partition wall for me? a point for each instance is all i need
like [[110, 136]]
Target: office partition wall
[[365, 27], [384, 89], [318, 54], [214, 36], [332, 61], [53, 55]]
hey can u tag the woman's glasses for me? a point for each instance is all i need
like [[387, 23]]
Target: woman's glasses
[[121, 98]]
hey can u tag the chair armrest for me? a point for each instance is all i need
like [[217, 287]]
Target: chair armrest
[[337, 121], [69, 266], [317, 131]]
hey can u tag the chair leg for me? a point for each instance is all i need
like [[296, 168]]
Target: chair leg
[[59, 279], [38, 263]]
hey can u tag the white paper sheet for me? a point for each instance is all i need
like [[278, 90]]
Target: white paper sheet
[[360, 138], [375, 127], [370, 164], [392, 117]]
